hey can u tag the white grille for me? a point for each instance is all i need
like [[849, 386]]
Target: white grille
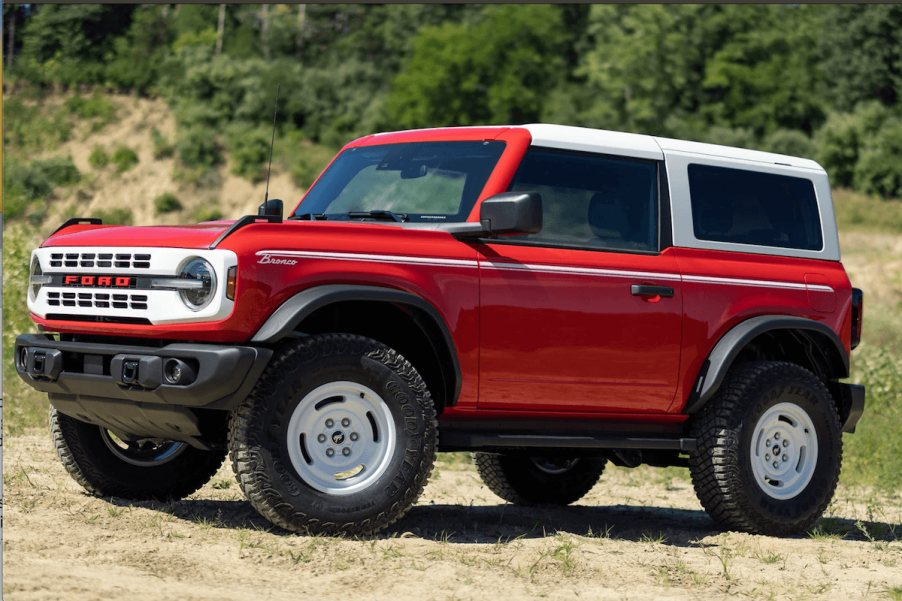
[[101, 300], [100, 260]]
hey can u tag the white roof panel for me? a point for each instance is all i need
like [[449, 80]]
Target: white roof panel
[[729, 152], [583, 139]]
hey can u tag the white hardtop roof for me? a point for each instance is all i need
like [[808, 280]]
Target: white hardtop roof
[[566, 137], [640, 146]]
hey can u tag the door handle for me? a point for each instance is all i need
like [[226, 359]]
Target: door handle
[[643, 290]]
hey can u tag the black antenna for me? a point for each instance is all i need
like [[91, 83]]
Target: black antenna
[[271, 143]]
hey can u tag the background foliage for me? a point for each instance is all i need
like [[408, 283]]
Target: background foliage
[[820, 81]]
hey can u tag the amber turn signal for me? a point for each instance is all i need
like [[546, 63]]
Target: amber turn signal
[[231, 282]]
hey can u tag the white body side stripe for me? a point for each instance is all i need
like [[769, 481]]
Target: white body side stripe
[[372, 258], [502, 266]]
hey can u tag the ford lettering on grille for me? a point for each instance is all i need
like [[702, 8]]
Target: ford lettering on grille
[[98, 281]]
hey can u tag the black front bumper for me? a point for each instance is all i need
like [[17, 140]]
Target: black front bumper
[[125, 388]]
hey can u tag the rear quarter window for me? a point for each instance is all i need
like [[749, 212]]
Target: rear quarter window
[[749, 207]]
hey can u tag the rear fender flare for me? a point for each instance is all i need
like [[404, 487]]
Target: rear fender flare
[[724, 353]]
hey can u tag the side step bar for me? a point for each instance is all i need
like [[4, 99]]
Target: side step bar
[[473, 441]]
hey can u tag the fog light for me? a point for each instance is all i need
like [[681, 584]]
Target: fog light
[[178, 372]]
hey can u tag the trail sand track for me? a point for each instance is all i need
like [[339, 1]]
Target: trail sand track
[[640, 534]]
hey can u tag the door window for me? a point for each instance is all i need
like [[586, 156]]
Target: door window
[[591, 201]]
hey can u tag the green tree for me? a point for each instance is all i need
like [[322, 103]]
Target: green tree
[[494, 71], [70, 43], [863, 47], [137, 57]]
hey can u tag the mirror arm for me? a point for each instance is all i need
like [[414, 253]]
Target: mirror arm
[[469, 229]]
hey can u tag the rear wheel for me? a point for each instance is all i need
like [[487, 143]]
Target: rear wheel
[[539, 480], [769, 449], [144, 469]]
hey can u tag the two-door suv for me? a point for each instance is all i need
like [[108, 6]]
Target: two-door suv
[[551, 298]]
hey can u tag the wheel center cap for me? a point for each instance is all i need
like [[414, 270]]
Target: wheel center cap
[[338, 437]]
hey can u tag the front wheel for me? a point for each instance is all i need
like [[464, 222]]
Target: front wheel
[[769, 449], [339, 435], [145, 469]]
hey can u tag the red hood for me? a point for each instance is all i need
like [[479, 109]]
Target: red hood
[[185, 236]]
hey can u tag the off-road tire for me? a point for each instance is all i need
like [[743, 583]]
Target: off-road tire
[[520, 481], [90, 462], [721, 468], [258, 436]]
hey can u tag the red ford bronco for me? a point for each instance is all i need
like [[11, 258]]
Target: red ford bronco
[[551, 298]]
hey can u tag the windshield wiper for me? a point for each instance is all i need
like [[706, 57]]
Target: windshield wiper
[[384, 215], [308, 217]]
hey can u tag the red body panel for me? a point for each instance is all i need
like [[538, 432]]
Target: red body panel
[[577, 340], [710, 308], [185, 236]]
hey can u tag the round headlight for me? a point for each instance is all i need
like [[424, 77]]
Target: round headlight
[[198, 296]]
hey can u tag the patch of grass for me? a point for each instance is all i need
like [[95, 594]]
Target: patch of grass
[[894, 593], [650, 538], [124, 158], [166, 203], [117, 216], [33, 127], [873, 454], [98, 109], [222, 484], [162, 148], [770, 558], [98, 158], [859, 212], [207, 213]]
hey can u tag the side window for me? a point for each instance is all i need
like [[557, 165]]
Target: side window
[[750, 207], [591, 201]]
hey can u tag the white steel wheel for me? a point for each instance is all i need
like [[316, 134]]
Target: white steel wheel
[[784, 451], [341, 438]]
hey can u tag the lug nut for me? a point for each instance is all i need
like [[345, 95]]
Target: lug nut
[[345, 422], [321, 438], [785, 458], [330, 452], [777, 436], [329, 423], [776, 463], [354, 436], [346, 451], [785, 443], [767, 457], [767, 442]]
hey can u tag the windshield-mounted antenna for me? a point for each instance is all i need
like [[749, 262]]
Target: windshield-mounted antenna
[[272, 143]]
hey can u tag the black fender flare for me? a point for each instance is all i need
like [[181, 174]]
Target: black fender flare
[[292, 312], [721, 357]]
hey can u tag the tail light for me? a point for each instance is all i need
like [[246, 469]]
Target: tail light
[[857, 309]]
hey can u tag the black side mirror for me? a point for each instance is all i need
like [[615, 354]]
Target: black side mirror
[[273, 206], [513, 213]]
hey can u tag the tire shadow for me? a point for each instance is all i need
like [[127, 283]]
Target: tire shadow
[[489, 524]]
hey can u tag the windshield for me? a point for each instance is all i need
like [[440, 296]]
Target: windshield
[[425, 181]]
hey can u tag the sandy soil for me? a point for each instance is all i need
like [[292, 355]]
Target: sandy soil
[[640, 534]]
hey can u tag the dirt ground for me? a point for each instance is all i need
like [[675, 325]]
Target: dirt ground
[[639, 534]]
